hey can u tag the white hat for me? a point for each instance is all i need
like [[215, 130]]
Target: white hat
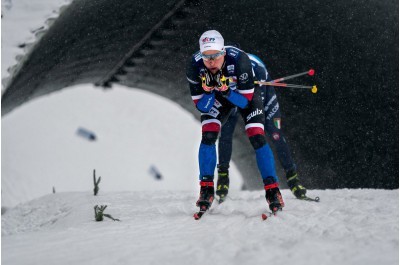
[[211, 40]]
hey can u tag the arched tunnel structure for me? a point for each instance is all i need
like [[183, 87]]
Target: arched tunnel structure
[[346, 135]]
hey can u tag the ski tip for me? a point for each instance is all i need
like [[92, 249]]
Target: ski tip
[[310, 199], [264, 216], [196, 216]]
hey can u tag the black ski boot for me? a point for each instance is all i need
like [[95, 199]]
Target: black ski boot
[[294, 184], [222, 184], [274, 197], [206, 197]]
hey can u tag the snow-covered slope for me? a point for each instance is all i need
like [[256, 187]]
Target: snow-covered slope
[[347, 227]]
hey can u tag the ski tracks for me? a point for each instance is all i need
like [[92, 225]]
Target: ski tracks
[[346, 227]]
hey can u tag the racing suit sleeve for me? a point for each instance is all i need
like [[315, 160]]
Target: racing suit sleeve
[[245, 83], [203, 100]]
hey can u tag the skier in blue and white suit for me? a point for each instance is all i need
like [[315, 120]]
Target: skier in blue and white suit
[[272, 127], [208, 72]]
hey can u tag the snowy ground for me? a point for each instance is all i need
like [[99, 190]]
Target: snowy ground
[[40, 149], [346, 227]]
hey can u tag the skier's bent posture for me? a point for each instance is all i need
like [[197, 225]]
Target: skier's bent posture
[[208, 73]]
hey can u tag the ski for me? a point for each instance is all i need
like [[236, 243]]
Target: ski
[[265, 216], [200, 213], [305, 198]]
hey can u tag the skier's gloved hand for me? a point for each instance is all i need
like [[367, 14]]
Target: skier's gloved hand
[[207, 81], [222, 83]]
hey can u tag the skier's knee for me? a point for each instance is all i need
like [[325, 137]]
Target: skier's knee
[[258, 141], [209, 138]]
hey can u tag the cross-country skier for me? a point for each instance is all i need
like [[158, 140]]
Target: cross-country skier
[[272, 127], [208, 73]]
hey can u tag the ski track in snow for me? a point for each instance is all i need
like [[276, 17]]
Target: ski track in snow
[[346, 227]]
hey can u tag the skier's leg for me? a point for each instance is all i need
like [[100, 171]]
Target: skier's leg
[[207, 155], [273, 123], [224, 154], [254, 124], [211, 126], [273, 126], [207, 161]]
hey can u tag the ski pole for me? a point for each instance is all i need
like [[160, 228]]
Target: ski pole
[[310, 72], [313, 88]]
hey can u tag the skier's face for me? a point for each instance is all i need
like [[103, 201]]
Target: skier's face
[[213, 60]]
